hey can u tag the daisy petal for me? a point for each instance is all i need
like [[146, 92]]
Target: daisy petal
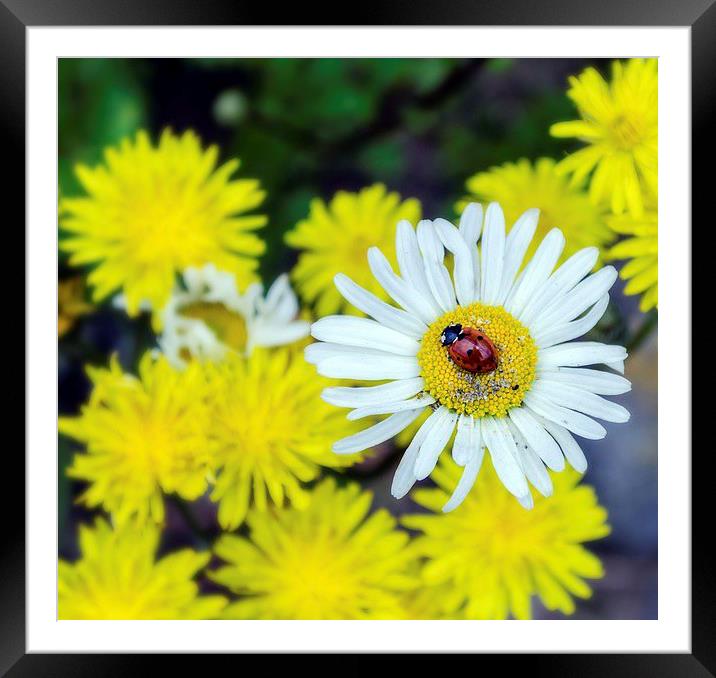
[[501, 444], [314, 353], [584, 295], [570, 447], [277, 335], [410, 261], [583, 401], [347, 362], [532, 466], [579, 353], [576, 422], [377, 434], [364, 333], [471, 223], [435, 443], [527, 501], [438, 277], [281, 300], [467, 480], [536, 272], [391, 408], [470, 228], [561, 281], [405, 295], [493, 253], [536, 472], [537, 438], [404, 477], [467, 439], [596, 381], [575, 268], [617, 366], [365, 396], [463, 273], [387, 315], [571, 330], [518, 240], [373, 369], [321, 350]]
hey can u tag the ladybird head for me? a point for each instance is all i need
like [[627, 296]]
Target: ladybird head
[[450, 334]]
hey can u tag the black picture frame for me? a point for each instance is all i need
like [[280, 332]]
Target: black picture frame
[[700, 15]]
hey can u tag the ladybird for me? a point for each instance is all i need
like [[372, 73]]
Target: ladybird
[[470, 349]]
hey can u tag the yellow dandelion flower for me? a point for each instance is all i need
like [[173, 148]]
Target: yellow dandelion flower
[[494, 556], [619, 121], [71, 303], [143, 435], [331, 560], [270, 431], [519, 186], [151, 212], [335, 238], [119, 577], [642, 249]]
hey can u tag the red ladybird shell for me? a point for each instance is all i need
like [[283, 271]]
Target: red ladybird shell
[[473, 351]]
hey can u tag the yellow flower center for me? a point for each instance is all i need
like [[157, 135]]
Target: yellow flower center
[[315, 581], [519, 537], [466, 392], [627, 134], [228, 326]]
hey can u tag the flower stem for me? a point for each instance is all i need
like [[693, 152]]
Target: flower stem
[[642, 333]]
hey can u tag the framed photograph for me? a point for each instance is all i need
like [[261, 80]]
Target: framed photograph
[[347, 339]]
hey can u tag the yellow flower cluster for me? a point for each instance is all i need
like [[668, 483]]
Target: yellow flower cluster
[[144, 436], [489, 557], [328, 560], [250, 438], [619, 123], [269, 431], [620, 126], [641, 247], [152, 211], [243, 426], [480, 394], [119, 577]]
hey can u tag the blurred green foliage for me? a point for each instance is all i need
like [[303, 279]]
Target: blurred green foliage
[[101, 101], [308, 127]]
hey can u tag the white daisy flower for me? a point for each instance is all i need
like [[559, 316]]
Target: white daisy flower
[[211, 317], [489, 350]]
